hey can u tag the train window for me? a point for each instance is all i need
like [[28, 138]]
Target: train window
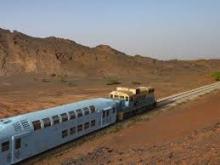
[[135, 103], [17, 143], [111, 96], [86, 111], [64, 133], [126, 98], [72, 115], [86, 125], [92, 108], [151, 90], [46, 122], [5, 146], [64, 117], [113, 110], [92, 123], [122, 97], [72, 130], [36, 125], [103, 114], [79, 113], [116, 96], [79, 127], [56, 119], [107, 113]]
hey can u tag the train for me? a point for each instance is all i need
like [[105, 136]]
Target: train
[[27, 135]]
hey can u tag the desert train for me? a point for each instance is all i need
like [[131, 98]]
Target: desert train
[[26, 135]]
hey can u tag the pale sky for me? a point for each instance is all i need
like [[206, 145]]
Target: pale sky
[[164, 29]]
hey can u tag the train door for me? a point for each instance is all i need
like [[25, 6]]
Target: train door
[[80, 122], [5, 152], [16, 148], [19, 148], [106, 117]]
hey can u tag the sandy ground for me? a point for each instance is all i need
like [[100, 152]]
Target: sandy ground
[[186, 134], [22, 94]]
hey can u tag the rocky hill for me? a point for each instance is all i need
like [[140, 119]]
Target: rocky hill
[[23, 54]]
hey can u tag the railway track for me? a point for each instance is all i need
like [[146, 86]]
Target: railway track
[[188, 95], [162, 104]]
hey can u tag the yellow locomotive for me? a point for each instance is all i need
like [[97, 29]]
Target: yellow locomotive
[[133, 100]]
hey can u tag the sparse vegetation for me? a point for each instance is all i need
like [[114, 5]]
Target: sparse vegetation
[[45, 80], [35, 79], [71, 84], [216, 76], [53, 75], [63, 78], [113, 82]]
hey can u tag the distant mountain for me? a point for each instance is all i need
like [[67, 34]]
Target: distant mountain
[[23, 54]]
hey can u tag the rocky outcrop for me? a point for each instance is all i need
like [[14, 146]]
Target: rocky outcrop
[[23, 54]]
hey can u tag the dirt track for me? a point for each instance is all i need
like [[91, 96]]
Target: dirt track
[[186, 134]]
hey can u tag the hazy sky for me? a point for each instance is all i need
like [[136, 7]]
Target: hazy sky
[[157, 28]]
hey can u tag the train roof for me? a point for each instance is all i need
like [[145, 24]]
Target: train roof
[[9, 126], [127, 92], [122, 93]]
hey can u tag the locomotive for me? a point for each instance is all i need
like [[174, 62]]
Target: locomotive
[[26, 135]]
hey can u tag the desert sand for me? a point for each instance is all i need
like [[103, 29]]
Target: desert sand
[[186, 134]]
